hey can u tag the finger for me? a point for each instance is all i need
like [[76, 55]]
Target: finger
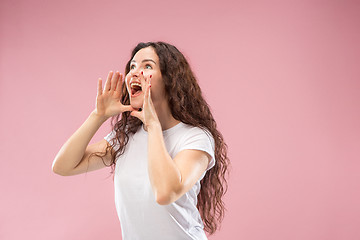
[[149, 80], [127, 108], [143, 81], [149, 88], [147, 93], [138, 115], [146, 104], [149, 100], [108, 81], [114, 80], [99, 88], [119, 83]]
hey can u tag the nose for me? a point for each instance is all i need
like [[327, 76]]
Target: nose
[[135, 72]]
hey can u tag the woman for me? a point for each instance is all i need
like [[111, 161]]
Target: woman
[[168, 157]]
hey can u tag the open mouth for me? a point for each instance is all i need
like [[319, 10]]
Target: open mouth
[[135, 89]]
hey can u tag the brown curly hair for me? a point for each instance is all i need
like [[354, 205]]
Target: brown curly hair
[[187, 105]]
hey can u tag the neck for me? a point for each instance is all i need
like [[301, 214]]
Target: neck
[[166, 119]]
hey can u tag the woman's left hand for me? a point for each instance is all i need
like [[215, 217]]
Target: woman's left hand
[[148, 114]]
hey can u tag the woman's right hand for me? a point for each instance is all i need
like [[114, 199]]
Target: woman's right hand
[[108, 100]]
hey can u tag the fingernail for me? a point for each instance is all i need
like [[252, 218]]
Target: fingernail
[[142, 72], [150, 76]]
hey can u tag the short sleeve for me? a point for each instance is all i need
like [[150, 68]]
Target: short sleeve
[[111, 137], [199, 139]]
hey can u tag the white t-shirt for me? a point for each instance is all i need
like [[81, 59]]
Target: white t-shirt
[[141, 217]]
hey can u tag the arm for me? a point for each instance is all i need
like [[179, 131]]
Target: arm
[[75, 152], [171, 178], [73, 157]]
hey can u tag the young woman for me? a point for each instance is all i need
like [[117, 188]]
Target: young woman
[[168, 158]]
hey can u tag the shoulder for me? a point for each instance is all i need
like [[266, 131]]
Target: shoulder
[[189, 132], [198, 139]]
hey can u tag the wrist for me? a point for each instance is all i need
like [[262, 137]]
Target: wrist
[[98, 117], [154, 126]]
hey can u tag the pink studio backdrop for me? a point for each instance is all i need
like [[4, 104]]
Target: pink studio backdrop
[[281, 77]]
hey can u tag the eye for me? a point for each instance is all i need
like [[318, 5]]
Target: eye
[[132, 66], [148, 66]]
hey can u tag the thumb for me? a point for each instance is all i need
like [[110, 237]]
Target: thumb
[[127, 108], [137, 114]]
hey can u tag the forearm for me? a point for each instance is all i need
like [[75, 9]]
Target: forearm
[[74, 148], [165, 177]]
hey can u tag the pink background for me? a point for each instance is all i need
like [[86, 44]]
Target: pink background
[[282, 78]]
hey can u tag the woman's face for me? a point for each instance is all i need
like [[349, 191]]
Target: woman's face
[[147, 61]]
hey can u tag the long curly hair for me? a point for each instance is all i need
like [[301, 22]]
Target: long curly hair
[[187, 105]]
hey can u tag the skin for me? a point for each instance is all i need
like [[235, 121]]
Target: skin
[[169, 178], [144, 64]]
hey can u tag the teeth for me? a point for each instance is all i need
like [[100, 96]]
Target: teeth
[[135, 84]]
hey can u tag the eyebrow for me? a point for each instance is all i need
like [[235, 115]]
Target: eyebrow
[[145, 60]]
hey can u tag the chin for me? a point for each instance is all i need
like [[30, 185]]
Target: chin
[[136, 104]]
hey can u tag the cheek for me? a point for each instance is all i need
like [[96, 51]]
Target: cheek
[[157, 82], [158, 89], [127, 79]]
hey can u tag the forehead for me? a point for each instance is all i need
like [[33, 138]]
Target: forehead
[[146, 53]]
